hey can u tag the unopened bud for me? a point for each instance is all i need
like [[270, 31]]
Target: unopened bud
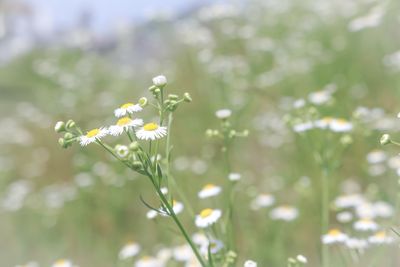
[[134, 146], [385, 139], [70, 124], [137, 165], [160, 81], [59, 127], [68, 136], [63, 143], [187, 97], [173, 97], [143, 101]]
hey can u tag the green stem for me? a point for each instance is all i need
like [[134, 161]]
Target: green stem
[[180, 226], [325, 214]]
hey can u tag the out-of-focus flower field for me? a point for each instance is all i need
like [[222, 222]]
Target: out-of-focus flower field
[[315, 83]]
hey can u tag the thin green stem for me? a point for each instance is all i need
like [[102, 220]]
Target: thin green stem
[[180, 226], [325, 214]]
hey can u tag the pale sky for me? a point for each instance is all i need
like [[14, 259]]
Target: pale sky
[[106, 13]]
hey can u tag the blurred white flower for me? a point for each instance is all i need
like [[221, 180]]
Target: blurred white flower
[[284, 213], [209, 190], [223, 113], [334, 236], [131, 249], [250, 263], [207, 217]]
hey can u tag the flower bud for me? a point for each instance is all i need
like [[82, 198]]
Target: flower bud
[[385, 139], [62, 143], [152, 88], [187, 97], [246, 133], [70, 124], [68, 136], [134, 146], [157, 91], [137, 165], [173, 97], [160, 81], [143, 101], [209, 133], [59, 127]]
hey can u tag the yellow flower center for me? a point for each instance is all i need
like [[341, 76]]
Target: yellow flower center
[[92, 133], [209, 186], [127, 105], [124, 121], [205, 213], [150, 126], [334, 232], [341, 121], [380, 234], [327, 119], [60, 262]]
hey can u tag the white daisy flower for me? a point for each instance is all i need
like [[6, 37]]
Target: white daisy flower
[[182, 253], [131, 249], [323, 123], [127, 108], [223, 113], [164, 255], [207, 217], [320, 97], [356, 243], [365, 225], [376, 156], [209, 190], [200, 239], [177, 207], [284, 213], [365, 210], [380, 238], [262, 201], [62, 263], [334, 236], [301, 259], [151, 214], [340, 125], [344, 216], [250, 263], [383, 209], [29, 264], [151, 131], [92, 135], [214, 245], [148, 261], [164, 190], [234, 176], [348, 201], [124, 124], [302, 127]]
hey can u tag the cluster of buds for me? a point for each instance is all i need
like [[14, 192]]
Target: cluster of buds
[[71, 132], [226, 131], [172, 101]]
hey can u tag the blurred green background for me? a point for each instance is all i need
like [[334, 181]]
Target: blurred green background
[[253, 57]]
